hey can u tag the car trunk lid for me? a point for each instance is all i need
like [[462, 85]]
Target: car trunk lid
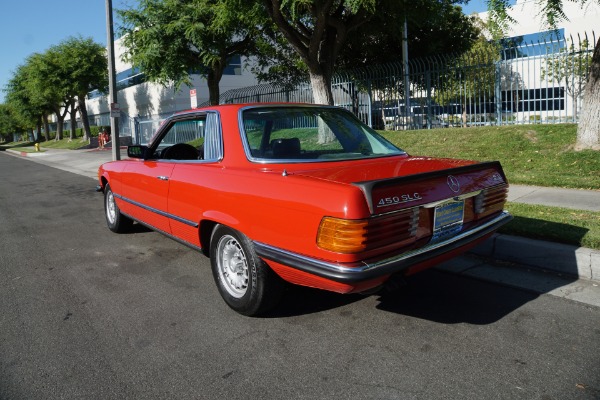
[[392, 184]]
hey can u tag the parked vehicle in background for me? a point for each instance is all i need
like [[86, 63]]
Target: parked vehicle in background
[[299, 193]]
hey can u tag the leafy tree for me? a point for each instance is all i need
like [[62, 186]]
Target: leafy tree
[[318, 31], [49, 82], [27, 104], [55, 81], [588, 134], [86, 65], [571, 67], [434, 27], [170, 39], [8, 121], [58, 80], [470, 77]]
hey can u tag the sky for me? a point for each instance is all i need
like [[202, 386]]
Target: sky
[[32, 26]]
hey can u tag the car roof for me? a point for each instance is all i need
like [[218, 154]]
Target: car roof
[[237, 106]]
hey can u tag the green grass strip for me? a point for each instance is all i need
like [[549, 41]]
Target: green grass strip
[[541, 155], [555, 224]]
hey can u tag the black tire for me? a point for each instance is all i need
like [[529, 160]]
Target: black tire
[[245, 281], [116, 221]]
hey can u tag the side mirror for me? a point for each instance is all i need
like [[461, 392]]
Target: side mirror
[[136, 151]]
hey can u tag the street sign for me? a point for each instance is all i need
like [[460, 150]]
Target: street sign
[[115, 111], [193, 98]]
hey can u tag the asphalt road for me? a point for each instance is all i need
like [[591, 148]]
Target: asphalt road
[[85, 313]]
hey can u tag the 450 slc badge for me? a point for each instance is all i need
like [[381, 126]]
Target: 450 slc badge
[[404, 198]]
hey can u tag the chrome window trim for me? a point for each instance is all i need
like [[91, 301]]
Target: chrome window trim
[[186, 115]]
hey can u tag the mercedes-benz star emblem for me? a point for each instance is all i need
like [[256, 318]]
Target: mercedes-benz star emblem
[[453, 183]]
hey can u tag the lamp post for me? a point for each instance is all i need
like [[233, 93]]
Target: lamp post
[[112, 85], [406, 72]]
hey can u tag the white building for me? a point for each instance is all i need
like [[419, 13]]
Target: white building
[[140, 99], [530, 20], [530, 90]]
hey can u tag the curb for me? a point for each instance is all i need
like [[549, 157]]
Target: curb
[[25, 153], [563, 259]]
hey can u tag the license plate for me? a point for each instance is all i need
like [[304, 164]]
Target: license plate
[[448, 219]]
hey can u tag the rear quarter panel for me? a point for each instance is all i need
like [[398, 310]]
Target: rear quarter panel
[[268, 207]]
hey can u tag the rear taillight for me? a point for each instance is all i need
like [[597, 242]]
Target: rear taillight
[[353, 236], [491, 199], [342, 235]]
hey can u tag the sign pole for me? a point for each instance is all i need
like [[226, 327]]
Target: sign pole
[[112, 85]]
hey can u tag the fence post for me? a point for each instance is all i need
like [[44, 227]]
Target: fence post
[[498, 92], [428, 85], [370, 107]]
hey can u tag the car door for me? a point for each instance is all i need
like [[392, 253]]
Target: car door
[[147, 181], [188, 193], [146, 188]]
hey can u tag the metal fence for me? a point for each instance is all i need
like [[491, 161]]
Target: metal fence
[[127, 125], [515, 82]]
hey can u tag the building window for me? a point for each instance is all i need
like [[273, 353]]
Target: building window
[[234, 66], [531, 100], [534, 44], [133, 76]]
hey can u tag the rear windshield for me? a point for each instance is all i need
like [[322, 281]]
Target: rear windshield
[[281, 133]]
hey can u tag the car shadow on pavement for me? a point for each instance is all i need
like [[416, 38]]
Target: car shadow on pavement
[[139, 228], [300, 300], [430, 295], [452, 299]]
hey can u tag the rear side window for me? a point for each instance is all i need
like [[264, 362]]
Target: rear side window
[[191, 137], [298, 133]]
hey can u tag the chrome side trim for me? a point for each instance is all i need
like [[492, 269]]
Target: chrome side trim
[[355, 272], [175, 238], [159, 212]]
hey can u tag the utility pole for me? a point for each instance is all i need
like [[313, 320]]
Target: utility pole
[[406, 72], [112, 84]]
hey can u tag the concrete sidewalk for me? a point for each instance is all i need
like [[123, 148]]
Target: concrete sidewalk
[[588, 200], [559, 258]]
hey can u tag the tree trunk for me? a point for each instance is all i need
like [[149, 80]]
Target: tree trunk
[[73, 112], [588, 131], [321, 86], [59, 128], [60, 121], [46, 127], [39, 130], [212, 80], [84, 118]]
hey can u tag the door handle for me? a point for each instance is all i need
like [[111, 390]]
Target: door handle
[[163, 178]]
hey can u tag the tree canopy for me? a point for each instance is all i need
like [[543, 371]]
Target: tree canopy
[[8, 121], [52, 81], [170, 39], [435, 27], [346, 34]]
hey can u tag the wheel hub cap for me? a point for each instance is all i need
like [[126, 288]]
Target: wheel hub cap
[[233, 267]]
